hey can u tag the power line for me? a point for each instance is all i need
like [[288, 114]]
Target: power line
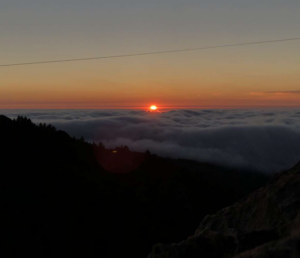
[[150, 53]]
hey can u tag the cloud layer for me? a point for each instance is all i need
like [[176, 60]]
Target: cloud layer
[[265, 140]]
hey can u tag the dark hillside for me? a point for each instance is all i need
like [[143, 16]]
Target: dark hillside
[[58, 200], [265, 224]]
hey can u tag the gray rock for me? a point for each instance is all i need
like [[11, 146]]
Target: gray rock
[[264, 224]]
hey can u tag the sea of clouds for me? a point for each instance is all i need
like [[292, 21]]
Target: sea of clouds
[[265, 140]]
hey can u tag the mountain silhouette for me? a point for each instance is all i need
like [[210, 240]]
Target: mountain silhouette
[[62, 196]]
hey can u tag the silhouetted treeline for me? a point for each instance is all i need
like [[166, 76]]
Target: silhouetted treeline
[[59, 199]]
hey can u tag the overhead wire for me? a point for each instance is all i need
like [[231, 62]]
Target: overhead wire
[[149, 53]]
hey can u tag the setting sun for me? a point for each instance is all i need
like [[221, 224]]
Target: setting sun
[[153, 107]]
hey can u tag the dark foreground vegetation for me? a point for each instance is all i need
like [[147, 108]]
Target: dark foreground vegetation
[[63, 197]]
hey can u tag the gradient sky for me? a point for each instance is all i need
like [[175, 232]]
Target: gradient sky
[[252, 76]]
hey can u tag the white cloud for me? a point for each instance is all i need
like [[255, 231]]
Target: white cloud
[[265, 140]]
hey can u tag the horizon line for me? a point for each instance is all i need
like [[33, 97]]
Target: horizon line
[[146, 107]]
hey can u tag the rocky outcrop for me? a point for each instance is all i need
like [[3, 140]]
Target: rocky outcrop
[[283, 248], [265, 223]]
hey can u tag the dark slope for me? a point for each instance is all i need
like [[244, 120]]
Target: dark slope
[[264, 224], [57, 200]]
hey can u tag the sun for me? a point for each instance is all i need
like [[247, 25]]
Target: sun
[[153, 108]]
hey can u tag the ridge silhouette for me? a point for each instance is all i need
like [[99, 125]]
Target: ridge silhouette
[[59, 199]]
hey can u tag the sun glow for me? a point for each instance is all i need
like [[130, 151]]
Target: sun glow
[[153, 107]]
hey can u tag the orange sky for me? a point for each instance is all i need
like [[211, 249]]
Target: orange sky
[[243, 80], [249, 76]]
